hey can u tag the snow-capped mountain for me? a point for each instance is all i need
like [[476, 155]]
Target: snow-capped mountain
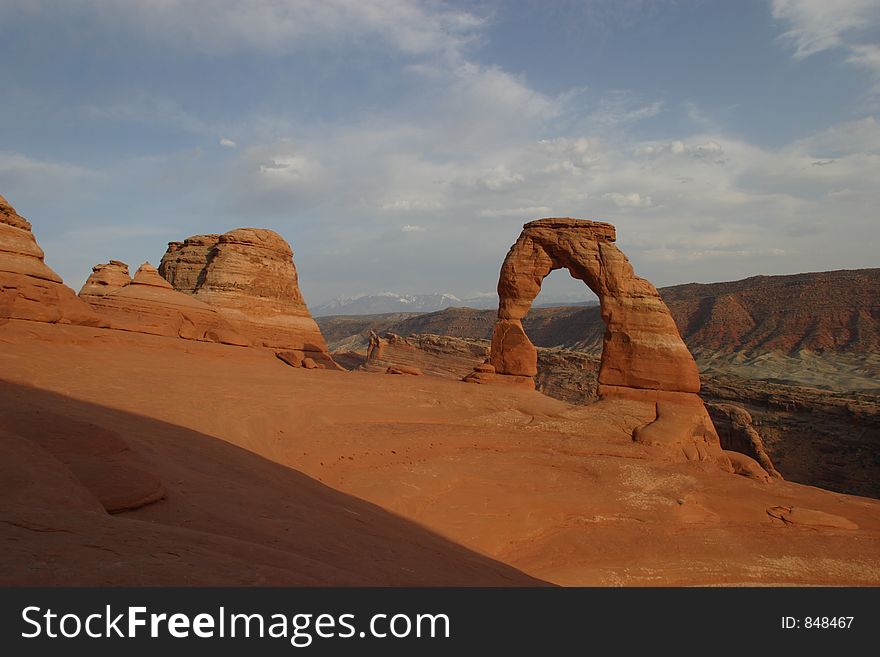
[[392, 302]]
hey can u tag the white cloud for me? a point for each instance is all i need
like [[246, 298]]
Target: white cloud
[[621, 109], [529, 213], [283, 162], [15, 164], [499, 178], [228, 26], [25, 180], [475, 150], [817, 25], [289, 167], [410, 205], [628, 200]]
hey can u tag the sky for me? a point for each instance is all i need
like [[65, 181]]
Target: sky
[[401, 144]]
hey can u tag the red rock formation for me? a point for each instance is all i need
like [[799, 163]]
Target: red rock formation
[[106, 278], [184, 262], [248, 274], [150, 305], [738, 433], [403, 369], [29, 289], [643, 355]]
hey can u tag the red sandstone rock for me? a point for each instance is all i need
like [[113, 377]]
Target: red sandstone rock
[[292, 358], [643, 355], [810, 518], [738, 433], [248, 274], [150, 305], [375, 348], [309, 363], [148, 275], [29, 289], [747, 466], [642, 348], [479, 377], [106, 278], [184, 262], [100, 459], [512, 352], [403, 369]]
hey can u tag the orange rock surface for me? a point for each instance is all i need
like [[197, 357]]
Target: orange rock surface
[[279, 475], [148, 304], [29, 289], [106, 278], [249, 274]]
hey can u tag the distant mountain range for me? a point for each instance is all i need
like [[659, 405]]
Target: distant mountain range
[[392, 302], [835, 311]]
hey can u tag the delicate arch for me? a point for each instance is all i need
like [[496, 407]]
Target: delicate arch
[[642, 347]]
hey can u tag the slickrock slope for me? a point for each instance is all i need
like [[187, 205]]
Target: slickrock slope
[[810, 436], [249, 274], [271, 480], [148, 304], [29, 289]]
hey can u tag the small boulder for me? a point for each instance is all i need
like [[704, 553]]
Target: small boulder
[[747, 466], [403, 369], [292, 358]]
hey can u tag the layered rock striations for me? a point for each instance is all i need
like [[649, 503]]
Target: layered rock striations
[[248, 274], [184, 263], [643, 355], [148, 304], [29, 289], [106, 278]]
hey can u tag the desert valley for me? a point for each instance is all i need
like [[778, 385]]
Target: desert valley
[[193, 424]]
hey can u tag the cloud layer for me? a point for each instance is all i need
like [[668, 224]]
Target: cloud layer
[[427, 190]]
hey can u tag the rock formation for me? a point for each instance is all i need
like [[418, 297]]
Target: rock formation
[[403, 369], [738, 433], [148, 304], [746, 466], [105, 279], [29, 289], [249, 275], [375, 349], [643, 355]]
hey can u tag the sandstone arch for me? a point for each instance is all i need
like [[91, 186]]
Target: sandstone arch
[[643, 355], [642, 347]]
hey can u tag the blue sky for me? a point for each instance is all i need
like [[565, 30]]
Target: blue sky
[[401, 144]]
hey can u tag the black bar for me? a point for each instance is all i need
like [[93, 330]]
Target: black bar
[[522, 621]]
